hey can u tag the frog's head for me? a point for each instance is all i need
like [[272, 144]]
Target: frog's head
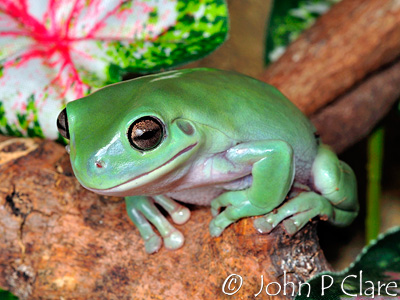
[[127, 139]]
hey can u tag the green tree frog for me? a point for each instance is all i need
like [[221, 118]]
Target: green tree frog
[[205, 137]]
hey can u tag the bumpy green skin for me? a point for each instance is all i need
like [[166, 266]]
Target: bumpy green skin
[[230, 141]]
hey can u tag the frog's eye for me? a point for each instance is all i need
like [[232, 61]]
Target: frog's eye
[[62, 124], [146, 133]]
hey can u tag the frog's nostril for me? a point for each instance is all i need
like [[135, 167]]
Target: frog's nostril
[[99, 164]]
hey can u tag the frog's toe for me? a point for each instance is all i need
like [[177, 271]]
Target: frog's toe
[[179, 213], [268, 222], [231, 214], [291, 226], [227, 200], [316, 206], [143, 211], [153, 244], [214, 211], [295, 213], [174, 240], [216, 206], [181, 216], [295, 223], [263, 225], [223, 220], [215, 230]]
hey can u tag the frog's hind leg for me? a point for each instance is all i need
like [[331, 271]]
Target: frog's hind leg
[[335, 199]]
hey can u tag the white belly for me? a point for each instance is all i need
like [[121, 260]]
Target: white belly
[[204, 195], [198, 196]]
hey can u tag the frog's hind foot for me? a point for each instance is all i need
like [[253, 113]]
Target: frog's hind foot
[[298, 211], [335, 199]]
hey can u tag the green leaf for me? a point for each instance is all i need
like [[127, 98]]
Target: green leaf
[[5, 295], [378, 264], [289, 18]]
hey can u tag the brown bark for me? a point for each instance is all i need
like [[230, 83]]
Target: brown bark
[[352, 116], [355, 38], [342, 59], [59, 240]]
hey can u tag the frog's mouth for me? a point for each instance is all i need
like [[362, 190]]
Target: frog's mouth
[[126, 187]]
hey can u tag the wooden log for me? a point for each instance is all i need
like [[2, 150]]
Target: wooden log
[[352, 116], [60, 241], [355, 38]]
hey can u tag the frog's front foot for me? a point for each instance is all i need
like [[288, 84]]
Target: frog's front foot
[[272, 175], [237, 205], [142, 211]]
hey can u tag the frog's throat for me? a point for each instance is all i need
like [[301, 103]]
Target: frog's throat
[[142, 179]]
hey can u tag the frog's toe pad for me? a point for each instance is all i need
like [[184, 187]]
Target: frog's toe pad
[[291, 227], [215, 230], [268, 222], [262, 225], [298, 221], [153, 244], [174, 240], [181, 216]]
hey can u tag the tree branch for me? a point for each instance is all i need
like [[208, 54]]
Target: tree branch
[[352, 116], [342, 59], [352, 40]]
